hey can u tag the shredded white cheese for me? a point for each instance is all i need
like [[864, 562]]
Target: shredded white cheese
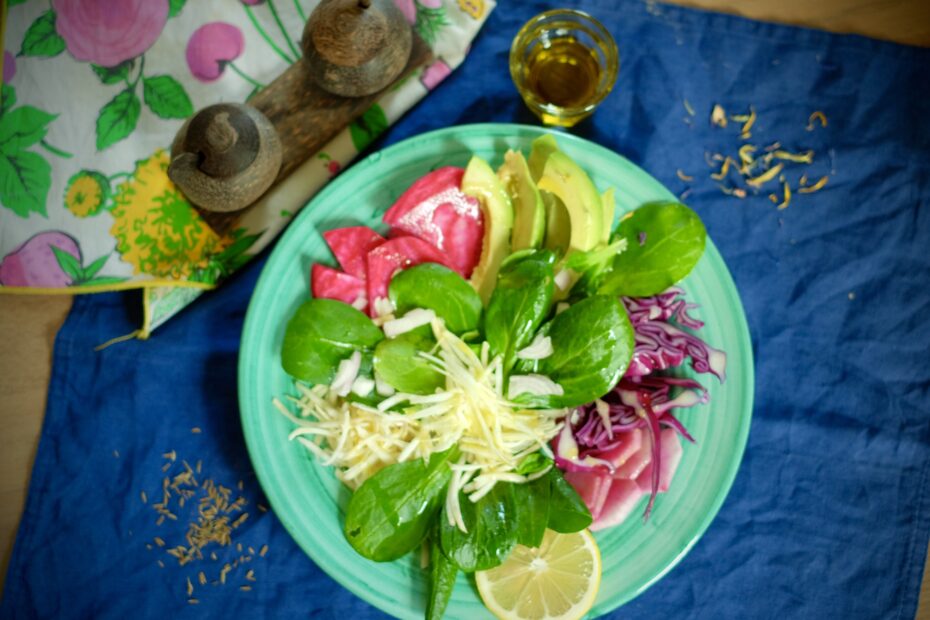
[[493, 434]]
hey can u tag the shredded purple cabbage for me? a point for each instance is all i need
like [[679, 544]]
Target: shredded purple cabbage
[[660, 345]]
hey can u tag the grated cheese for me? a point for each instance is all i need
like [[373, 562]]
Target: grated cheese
[[493, 433]]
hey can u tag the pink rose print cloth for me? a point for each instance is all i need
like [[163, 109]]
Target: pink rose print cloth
[[93, 94], [108, 32]]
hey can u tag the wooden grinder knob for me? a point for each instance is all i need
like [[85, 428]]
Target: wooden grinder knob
[[225, 157], [355, 48]]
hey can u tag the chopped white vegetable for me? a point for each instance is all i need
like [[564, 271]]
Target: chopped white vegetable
[[360, 302], [383, 306], [561, 307], [362, 386], [563, 279], [410, 321], [540, 348], [346, 374], [537, 385]]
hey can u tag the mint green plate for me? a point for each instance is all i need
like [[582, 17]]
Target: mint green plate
[[310, 501]]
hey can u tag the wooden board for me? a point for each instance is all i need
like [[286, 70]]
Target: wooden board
[[306, 117]]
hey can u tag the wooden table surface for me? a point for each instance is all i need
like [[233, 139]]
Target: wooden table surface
[[28, 324]]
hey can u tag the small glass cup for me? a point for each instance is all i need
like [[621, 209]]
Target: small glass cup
[[563, 62]]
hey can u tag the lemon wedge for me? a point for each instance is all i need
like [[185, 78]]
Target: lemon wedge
[[556, 581]]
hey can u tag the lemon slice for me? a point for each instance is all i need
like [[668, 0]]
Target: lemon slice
[[557, 581]]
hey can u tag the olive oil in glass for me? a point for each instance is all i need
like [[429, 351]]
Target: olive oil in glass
[[563, 63], [565, 73]]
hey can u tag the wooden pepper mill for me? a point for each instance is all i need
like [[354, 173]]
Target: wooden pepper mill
[[228, 155]]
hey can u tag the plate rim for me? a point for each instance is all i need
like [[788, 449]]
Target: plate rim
[[494, 130]]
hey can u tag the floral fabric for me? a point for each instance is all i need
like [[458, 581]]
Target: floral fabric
[[94, 92]]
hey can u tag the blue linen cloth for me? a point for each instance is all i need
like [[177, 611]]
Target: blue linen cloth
[[829, 515]]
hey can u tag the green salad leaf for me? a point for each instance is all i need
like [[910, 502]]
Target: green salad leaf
[[567, 511], [399, 363], [519, 303], [442, 574], [492, 530], [592, 344], [392, 512], [531, 503], [665, 240], [322, 333], [440, 289]]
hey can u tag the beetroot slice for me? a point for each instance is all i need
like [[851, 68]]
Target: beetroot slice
[[436, 210], [392, 256], [671, 450], [592, 487], [329, 283], [351, 245], [621, 500]]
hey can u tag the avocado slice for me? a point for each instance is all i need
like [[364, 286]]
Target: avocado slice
[[529, 214], [558, 224], [481, 183], [564, 178], [609, 206]]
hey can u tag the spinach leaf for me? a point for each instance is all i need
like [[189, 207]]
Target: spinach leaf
[[533, 463], [442, 573], [519, 303], [439, 289], [322, 333], [592, 344], [390, 514], [399, 363], [567, 511], [531, 503], [492, 530], [665, 240]]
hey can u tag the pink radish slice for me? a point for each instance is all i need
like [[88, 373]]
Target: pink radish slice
[[392, 256], [592, 488], [636, 464], [329, 283], [621, 500], [436, 210], [351, 245], [671, 457]]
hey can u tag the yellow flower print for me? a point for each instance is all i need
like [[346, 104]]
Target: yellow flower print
[[86, 193], [156, 229], [475, 8]]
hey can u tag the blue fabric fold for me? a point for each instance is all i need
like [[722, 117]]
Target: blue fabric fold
[[829, 515]]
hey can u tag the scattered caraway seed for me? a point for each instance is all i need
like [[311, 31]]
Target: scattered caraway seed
[[688, 108], [768, 175], [816, 116], [756, 166], [683, 176], [787, 196], [195, 430], [810, 189], [212, 514]]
